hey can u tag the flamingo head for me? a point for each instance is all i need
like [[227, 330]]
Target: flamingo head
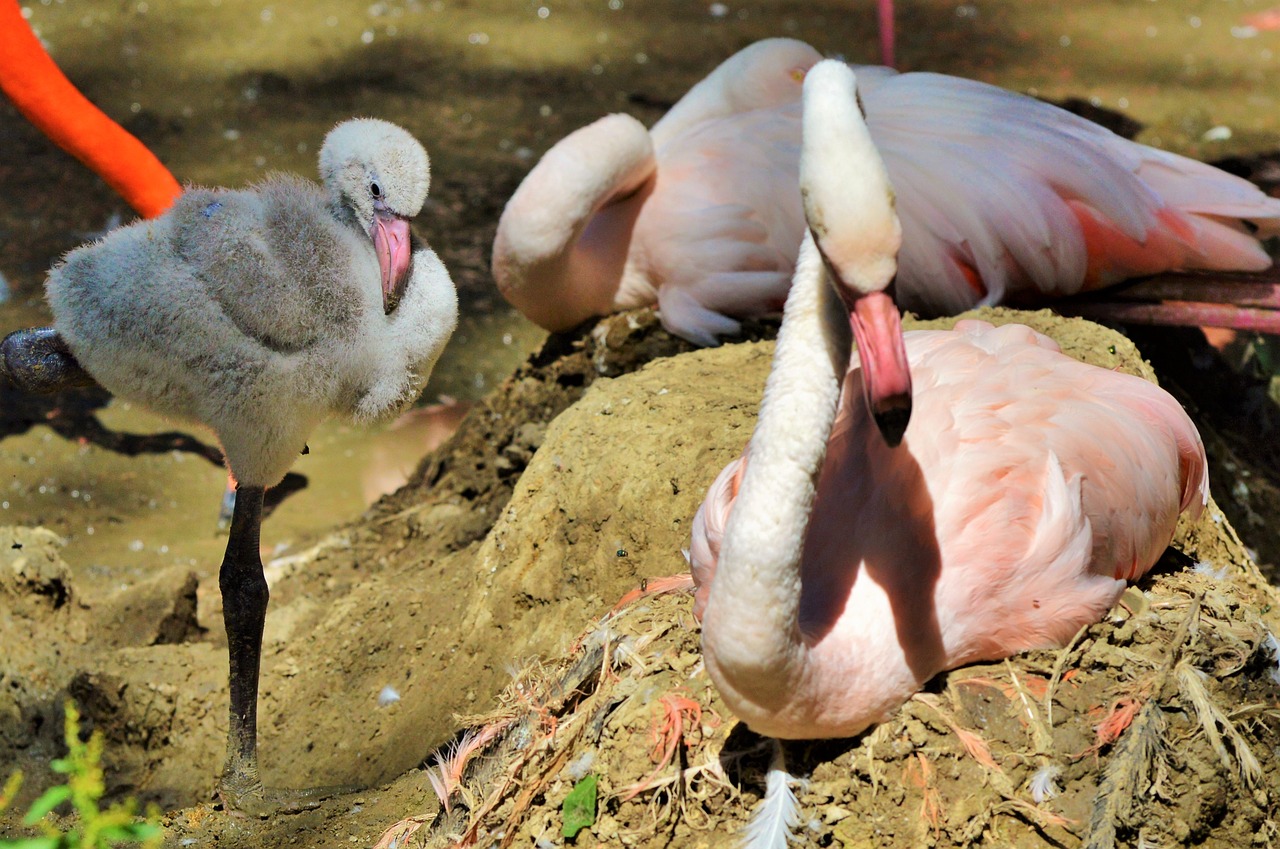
[[379, 174], [849, 207]]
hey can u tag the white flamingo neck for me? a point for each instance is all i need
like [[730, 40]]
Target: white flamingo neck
[[844, 182], [755, 598], [754, 607], [560, 253]]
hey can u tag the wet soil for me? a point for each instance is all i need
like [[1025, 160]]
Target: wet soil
[[473, 596]]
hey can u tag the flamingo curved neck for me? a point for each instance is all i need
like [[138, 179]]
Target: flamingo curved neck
[[560, 253], [754, 605]]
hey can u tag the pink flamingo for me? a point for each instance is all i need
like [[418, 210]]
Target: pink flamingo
[[835, 574], [1002, 198]]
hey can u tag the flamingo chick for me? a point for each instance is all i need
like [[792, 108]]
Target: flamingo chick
[[835, 574], [1002, 198], [258, 313]]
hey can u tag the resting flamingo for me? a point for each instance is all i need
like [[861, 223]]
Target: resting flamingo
[[258, 313], [835, 575], [1002, 198]]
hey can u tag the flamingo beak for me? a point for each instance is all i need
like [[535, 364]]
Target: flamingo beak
[[391, 243], [886, 378]]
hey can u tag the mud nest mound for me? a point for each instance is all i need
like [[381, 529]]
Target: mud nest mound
[[506, 606], [1156, 727]]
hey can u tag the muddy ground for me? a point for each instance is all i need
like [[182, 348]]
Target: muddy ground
[[475, 591]]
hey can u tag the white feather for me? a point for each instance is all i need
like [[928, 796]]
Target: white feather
[[1044, 783], [1272, 647], [779, 813], [1204, 567]]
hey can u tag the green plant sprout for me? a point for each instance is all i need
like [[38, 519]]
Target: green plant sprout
[[579, 808], [95, 828]]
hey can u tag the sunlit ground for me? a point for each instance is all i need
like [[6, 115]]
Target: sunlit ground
[[227, 90]]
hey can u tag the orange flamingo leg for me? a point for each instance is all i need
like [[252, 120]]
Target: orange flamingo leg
[[35, 84]]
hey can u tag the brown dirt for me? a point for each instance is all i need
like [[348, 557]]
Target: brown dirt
[[478, 590]]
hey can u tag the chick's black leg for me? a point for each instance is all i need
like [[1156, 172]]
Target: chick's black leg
[[38, 361], [244, 610]]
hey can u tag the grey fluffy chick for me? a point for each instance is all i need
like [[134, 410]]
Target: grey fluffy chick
[[256, 312]]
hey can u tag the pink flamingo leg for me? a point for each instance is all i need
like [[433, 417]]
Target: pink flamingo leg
[[885, 8], [1238, 301]]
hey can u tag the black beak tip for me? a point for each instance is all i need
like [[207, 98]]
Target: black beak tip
[[390, 302], [892, 423]]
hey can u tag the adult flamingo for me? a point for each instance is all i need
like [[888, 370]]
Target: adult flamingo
[[258, 313], [41, 92], [835, 574], [1003, 198]]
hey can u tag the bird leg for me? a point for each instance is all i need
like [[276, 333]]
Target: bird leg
[[1231, 300], [885, 9], [244, 610], [38, 361]]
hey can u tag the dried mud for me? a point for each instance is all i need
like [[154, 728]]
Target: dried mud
[[481, 594]]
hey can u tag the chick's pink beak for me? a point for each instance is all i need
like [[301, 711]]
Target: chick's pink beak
[[886, 379], [391, 243]]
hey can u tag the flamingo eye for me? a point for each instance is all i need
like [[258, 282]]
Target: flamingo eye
[[375, 190]]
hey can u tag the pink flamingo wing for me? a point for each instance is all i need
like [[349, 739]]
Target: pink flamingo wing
[[719, 233], [996, 182]]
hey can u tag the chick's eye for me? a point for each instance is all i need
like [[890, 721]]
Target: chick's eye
[[375, 190]]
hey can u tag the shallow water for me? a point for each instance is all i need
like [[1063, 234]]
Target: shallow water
[[226, 90]]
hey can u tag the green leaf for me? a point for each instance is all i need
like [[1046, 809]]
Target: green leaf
[[52, 798], [143, 831], [10, 789], [579, 809], [33, 843]]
